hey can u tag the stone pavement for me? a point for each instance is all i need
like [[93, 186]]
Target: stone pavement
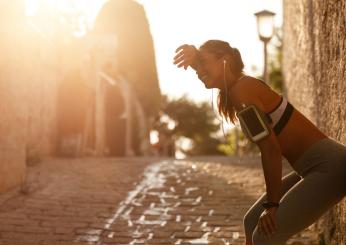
[[135, 201]]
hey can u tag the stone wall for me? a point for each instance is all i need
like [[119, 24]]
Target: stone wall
[[28, 81], [41, 96], [315, 77], [13, 116]]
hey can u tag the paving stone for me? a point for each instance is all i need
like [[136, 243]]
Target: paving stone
[[157, 202]]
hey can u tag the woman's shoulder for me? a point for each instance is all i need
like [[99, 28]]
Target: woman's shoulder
[[248, 82], [251, 90]]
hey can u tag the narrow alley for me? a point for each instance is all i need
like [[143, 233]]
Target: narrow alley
[[134, 201]]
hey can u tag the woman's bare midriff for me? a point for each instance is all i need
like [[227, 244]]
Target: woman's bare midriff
[[297, 136]]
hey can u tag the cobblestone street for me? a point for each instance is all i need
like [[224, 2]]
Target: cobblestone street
[[134, 201]]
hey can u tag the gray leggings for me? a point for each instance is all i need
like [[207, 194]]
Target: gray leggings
[[317, 183]]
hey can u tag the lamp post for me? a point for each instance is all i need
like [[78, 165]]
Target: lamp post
[[265, 28]]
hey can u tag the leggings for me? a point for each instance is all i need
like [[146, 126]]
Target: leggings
[[317, 183]]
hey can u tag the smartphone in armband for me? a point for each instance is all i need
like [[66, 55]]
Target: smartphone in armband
[[253, 123]]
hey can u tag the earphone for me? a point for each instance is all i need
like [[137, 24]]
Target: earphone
[[226, 90], [224, 79]]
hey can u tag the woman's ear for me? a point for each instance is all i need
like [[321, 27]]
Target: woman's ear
[[226, 59], [230, 63]]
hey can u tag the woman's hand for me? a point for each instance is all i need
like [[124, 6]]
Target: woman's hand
[[267, 222], [187, 55]]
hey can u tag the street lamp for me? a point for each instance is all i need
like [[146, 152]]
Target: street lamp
[[265, 28]]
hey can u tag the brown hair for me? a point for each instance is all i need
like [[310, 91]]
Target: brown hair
[[221, 48]]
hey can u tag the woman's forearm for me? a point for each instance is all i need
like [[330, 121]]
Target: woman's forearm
[[272, 169]]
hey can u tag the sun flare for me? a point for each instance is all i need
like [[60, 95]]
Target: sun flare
[[86, 8]]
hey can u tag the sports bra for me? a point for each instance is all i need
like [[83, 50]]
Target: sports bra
[[280, 115]]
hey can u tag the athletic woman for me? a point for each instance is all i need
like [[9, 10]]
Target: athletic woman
[[318, 181]]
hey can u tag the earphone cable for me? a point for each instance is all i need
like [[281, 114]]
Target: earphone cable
[[226, 92]]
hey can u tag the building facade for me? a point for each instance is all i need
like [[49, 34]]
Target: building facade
[[57, 97], [28, 80]]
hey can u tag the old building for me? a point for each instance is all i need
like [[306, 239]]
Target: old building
[[133, 63], [315, 76], [58, 94]]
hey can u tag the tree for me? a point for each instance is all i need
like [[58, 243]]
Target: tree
[[245, 147], [193, 121], [275, 65]]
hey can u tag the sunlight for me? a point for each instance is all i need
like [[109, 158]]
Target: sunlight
[[88, 9], [198, 21], [31, 7]]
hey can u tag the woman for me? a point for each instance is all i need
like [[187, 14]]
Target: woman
[[318, 181]]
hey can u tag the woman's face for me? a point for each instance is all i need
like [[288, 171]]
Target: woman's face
[[211, 70]]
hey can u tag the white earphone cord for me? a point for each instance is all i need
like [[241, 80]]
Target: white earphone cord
[[226, 92], [226, 89], [212, 98], [224, 79]]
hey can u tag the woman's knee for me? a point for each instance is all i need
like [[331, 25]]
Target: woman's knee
[[250, 221], [251, 217]]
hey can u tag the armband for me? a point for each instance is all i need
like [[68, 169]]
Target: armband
[[253, 123]]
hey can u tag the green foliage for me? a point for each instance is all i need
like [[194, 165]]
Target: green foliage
[[229, 147], [206, 146], [194, 121], [275, 65]]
